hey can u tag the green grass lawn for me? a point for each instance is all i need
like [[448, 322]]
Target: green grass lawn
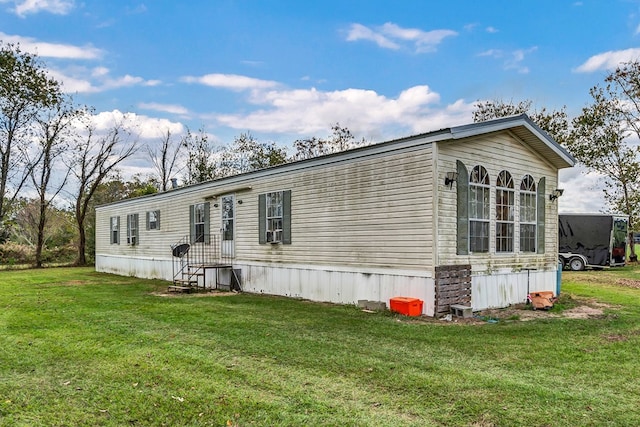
[[83, 348]]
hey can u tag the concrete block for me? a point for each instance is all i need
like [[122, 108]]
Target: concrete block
[[461, 311]]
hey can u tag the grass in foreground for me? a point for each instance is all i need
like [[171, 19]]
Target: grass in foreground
[[83, 348]]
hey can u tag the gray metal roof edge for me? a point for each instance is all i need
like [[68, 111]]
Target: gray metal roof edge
[[375, 148], [504, 123]]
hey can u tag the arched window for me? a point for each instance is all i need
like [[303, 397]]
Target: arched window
[[479, 189], [528, 214], [505, 199]]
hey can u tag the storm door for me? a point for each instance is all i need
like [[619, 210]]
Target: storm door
[[228, 225]]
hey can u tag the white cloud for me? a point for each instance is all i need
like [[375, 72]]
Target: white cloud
[[511, 60], [25, 7], [165, 108], [491, 30], [582, 191], [230, 81], [390, 36], [52, 50], [309, 111], [140, 126], [98, 79], [608, 60], [360, 32]]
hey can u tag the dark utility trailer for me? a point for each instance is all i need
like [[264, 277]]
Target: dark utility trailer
[[592, 240]]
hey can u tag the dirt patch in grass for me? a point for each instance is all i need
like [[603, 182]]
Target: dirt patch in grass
[[577, 309], [196, 294], [629, 283]]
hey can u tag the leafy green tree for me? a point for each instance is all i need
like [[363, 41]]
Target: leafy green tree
[[201, 158], [555, 123], [247, 154], [26, 91]]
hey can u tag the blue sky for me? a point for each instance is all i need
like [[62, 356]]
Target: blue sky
[[290, 69]]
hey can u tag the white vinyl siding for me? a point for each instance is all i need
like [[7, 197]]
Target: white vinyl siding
[[382, 206]]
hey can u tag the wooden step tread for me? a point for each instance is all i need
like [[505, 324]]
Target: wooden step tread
[[175, 288]]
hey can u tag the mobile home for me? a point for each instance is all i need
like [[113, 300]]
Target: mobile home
[[465, 215]]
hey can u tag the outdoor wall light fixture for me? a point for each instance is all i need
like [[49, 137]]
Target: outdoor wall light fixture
[[450, 178], [239, 202], [215, 205], [556, 193]]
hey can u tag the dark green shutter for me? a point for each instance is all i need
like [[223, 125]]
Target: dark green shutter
[[286, 217], [136, 223], [147, 220], [118, 232], [462, 188], [192, 224], [262, 219], [157, 220], [541, 215], [207, 226]]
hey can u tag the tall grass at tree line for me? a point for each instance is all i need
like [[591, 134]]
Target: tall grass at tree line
[[83, 348]]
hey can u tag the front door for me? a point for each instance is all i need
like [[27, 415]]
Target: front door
[[228, 225]]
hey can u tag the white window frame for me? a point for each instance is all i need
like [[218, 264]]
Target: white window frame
[[132, 229], [479, 210], [114, 229], [528, 215], [153, 223], [274, 216], [505, 217], [199, 222], [228, 215]]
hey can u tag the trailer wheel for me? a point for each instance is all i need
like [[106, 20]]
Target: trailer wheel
[[563, 263], [576, 264]]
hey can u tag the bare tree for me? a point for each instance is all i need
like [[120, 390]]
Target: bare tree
[[165, 159], [25, 91], [341, 139], [95, 158], [53, 136]]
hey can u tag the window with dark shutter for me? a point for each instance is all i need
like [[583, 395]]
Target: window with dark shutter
[[132, 229], [114, 230], [199, 228], [274, 217], [153, 220]]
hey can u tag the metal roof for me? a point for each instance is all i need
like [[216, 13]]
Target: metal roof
[[525, 129]]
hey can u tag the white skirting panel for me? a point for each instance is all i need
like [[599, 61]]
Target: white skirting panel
[[504, 288], [308, 282], [144, 267], [338, 286]]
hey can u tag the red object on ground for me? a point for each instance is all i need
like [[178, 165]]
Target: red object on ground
[[406, 305]]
